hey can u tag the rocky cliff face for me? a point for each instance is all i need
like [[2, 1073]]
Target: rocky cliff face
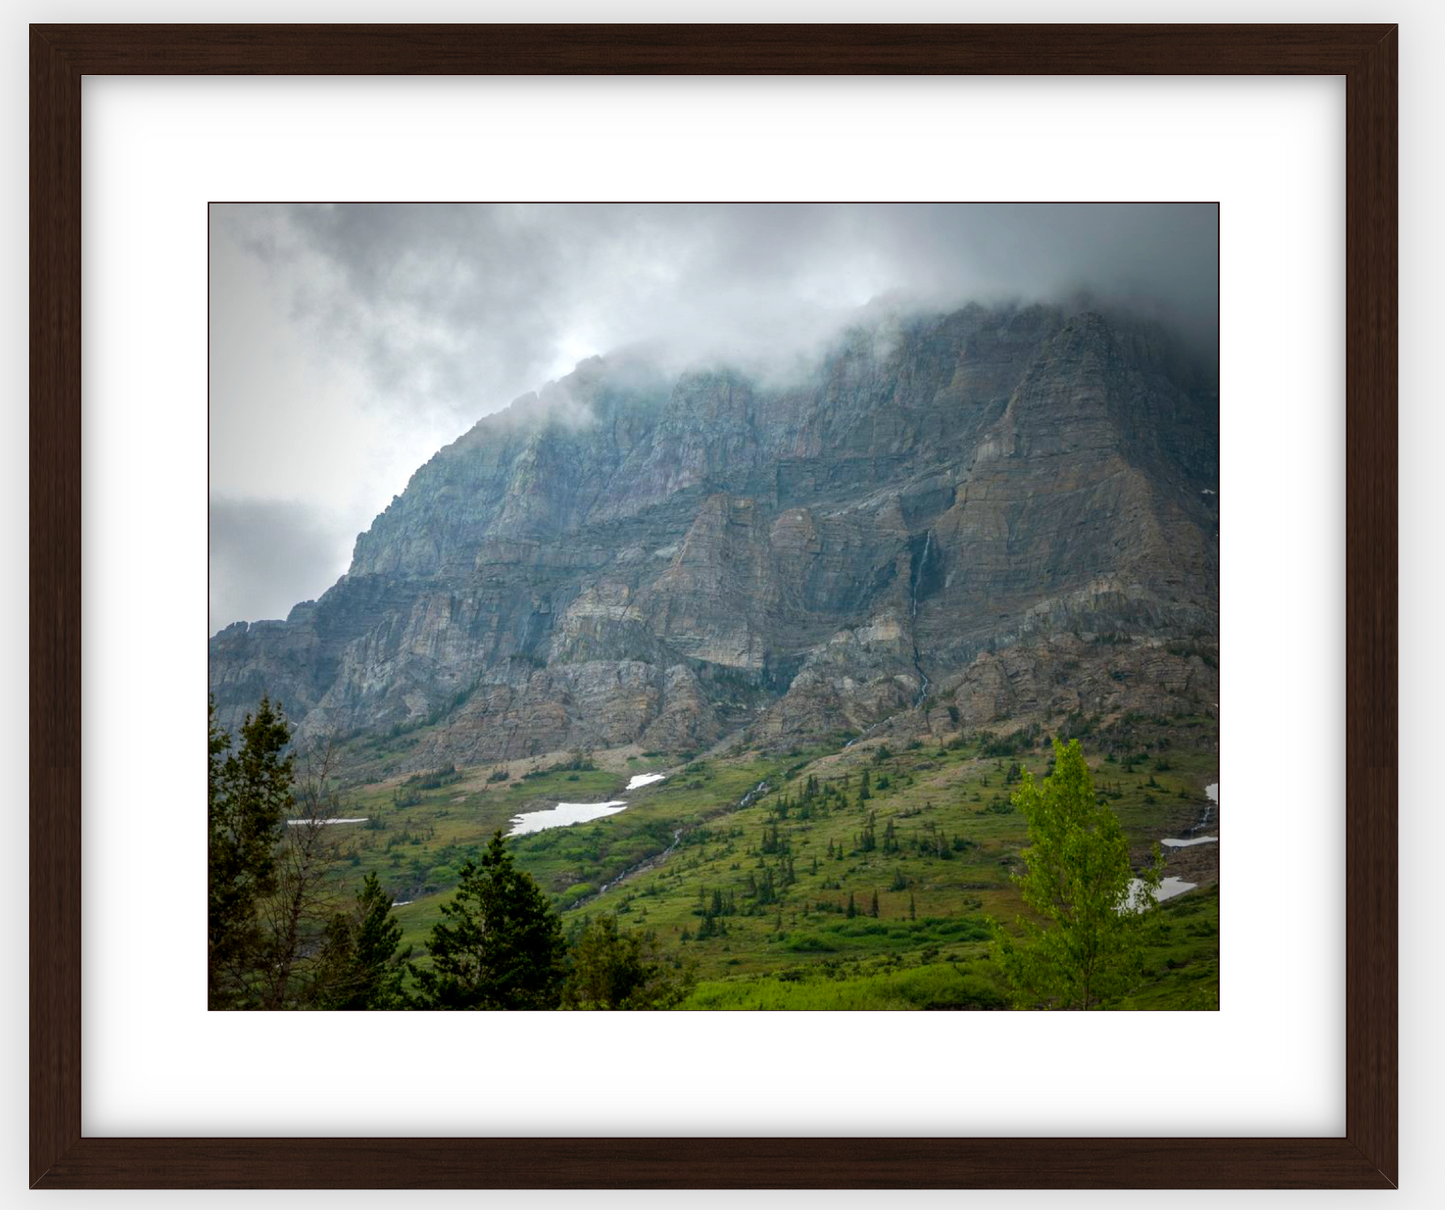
[[953, 519]]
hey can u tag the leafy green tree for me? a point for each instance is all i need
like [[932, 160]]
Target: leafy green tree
[[249, 797], [499, 944], [611, 969], [359, 966], [1083, 944]]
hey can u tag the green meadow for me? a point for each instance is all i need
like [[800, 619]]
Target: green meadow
[[861, 877]]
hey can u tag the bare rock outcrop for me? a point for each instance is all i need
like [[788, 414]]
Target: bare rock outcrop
[[981, 514]]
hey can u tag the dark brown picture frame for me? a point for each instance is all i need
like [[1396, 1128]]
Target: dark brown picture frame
[[1365, 1157]]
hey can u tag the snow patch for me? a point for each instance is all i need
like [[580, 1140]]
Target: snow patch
[[296, 823], [563, 815], [1167, 890]]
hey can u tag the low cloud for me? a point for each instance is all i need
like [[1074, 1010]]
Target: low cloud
[[266, 555], [349, 342]]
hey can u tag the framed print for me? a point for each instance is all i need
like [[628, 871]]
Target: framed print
[[726, 646]]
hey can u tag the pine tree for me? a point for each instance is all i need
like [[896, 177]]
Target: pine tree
[[1078, 880], [852, 907], [873, 907], [611, 969], [249, 797], [767, 890], [912, 910], [359, 966], [499, 945]]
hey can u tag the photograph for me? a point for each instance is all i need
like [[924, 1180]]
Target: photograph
[[688, 606]]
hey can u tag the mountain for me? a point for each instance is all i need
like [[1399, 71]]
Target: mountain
[[950, 520]]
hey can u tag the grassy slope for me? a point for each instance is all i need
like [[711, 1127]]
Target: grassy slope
[[957, 842]]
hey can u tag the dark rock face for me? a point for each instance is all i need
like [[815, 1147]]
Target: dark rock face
[[958, 504]]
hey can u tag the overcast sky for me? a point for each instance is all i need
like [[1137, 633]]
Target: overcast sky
[[349, 343]]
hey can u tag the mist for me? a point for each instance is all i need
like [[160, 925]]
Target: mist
[[350, 342], [256, 549]]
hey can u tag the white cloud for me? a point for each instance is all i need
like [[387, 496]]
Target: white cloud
[[348, 343]]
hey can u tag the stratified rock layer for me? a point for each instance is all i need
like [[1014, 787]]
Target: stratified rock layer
[[955, 518]]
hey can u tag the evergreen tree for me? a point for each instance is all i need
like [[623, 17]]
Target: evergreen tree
[[359, 966], [912, 910], [767, 889], [499, 944], [873, 906], [852, 907], [249, 797], [611, 969], [1088, 948]]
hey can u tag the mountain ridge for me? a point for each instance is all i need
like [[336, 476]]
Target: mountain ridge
[[1011, 506]]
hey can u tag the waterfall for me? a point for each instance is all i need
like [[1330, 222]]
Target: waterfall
[[918, 570], [913, 588], [657, 859]]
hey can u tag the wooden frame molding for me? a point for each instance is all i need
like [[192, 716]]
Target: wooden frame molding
[[1366, 55]]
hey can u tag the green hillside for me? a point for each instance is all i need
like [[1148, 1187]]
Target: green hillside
[[921, 841]]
